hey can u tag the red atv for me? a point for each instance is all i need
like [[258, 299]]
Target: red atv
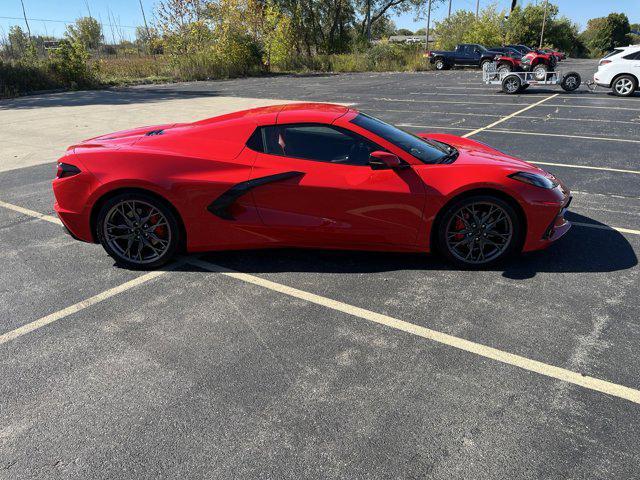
[[535, 61]]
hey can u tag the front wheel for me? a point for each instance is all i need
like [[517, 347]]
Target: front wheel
[[504, 68], [138, 230], [540, 72], [511, 84], [479, 231]]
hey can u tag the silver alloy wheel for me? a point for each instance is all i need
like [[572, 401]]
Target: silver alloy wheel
[[540, 73], [512, 85], [571, 82], [439, 64], [624, 86], [137, 231], [479, 232]]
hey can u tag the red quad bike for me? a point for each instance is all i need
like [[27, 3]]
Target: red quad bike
[[539, 63]]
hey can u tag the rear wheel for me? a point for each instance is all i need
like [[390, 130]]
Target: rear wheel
[[511, 84], [138, 230], [479, 231], [439, 64], [624, 86], [504, 68]]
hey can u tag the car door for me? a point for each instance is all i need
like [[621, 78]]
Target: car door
[[462, 55], [319, 190]]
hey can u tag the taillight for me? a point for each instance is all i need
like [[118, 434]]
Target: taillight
[[66, 170], [604, 62]]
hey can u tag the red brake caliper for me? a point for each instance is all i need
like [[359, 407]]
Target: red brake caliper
[[160, 231], [459, 225]]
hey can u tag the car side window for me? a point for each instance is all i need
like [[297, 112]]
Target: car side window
[[632, 56], [315, 142]]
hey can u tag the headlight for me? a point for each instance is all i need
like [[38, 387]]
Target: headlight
[[534, 179]]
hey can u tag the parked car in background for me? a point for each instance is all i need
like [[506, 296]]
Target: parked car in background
[[620, 70], [465, 54]]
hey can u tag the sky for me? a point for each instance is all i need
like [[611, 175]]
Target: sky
[[52, 15]]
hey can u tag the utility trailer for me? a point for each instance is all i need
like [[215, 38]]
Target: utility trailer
[[516, 82]]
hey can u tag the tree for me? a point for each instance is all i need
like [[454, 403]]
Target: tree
[[605, 33], [383, 28], [87, 31], [452, 30], [276, 33], [525, 24], [17, 42], [373, 11], [488, 28], [404, 31]]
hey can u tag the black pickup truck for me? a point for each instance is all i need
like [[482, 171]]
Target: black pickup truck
[[465, 54]]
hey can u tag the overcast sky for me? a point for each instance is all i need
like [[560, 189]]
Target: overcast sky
[[52, 15]]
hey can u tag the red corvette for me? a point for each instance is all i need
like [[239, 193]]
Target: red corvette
[[303, 175]]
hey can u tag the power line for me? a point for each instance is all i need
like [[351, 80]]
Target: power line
[[60, 21]]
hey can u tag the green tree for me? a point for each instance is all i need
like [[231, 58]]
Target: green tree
[[488, 28], [525, 24], [86, 31], [17, 42], [383, 28], [404, 31], [69, 62], [277, 37], [453, 30], [605, 33]]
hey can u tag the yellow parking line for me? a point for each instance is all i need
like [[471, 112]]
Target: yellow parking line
[[511, 115], [607, 227], [31, 213], [76, 307], [485, 351]]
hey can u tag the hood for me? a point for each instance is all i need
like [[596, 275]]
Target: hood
[[472, 152]]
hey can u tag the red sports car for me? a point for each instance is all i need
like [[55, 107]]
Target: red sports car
[[303, 175]]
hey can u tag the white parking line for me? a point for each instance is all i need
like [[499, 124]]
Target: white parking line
[[544, 119], [519, 132], [485, 351], [31, 213], [585, 137], [588, 167], [511, 115], [76, 307], [558, 105]]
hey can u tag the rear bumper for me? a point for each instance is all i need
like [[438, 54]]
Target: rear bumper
[[75, 224]]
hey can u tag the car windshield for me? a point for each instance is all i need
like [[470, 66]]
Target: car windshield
[[425, 150]]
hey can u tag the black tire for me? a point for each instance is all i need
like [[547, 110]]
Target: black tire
[[571, 81], [504, 67], [511, 84], [624, 86], [540, 71], [440, 64], [451, 214], [159, 244], [484, 63]]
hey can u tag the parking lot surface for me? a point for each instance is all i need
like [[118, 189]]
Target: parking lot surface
[[321, 364]]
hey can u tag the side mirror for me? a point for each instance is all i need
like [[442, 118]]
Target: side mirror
[[380, 160]]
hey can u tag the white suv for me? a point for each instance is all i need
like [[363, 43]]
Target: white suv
[[620, 70]]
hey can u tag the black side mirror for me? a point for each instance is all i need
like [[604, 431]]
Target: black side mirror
[[380, 160]]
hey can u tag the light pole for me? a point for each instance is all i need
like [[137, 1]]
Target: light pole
[[449, 9], [428, 24], [477, 8], [544, 20]]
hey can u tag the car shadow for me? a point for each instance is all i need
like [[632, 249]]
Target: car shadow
[[582, 249]]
